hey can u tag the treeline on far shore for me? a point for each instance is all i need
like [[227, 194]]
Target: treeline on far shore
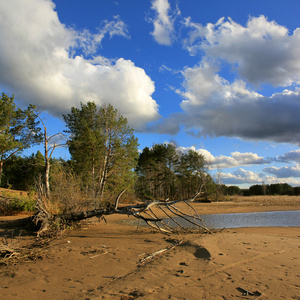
[[262, 189]]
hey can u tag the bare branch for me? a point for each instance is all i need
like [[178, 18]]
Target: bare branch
[[118, 198]]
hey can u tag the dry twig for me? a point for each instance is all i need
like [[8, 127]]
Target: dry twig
[[150, 257]]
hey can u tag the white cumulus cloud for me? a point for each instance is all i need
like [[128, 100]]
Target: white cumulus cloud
[[240, 176], [163, 22], [284, 172], [262, 51], [289, 156], [39, 66], [214, 106], [237, 159], [245, 177]]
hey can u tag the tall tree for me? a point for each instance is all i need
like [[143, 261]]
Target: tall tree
[[164, 173], [18, 129], [103, 147], [145, 170], [156, 171], [166, 164], [191, 172]]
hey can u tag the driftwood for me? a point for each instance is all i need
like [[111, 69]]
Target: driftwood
[[153, 255]]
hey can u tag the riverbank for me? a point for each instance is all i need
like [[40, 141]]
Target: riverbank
[[248, 204], [101, 261]]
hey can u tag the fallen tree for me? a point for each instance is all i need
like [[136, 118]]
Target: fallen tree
[[165, 216]]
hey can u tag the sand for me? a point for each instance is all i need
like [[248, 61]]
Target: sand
[[102, 261]]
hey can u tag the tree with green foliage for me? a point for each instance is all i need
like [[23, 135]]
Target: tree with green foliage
[[164, 173], [297, 190], [280, 189], [166, 159], [18, 129], [20, 172], [156, 171], [191, 172], [233, 190], [103, 148], [272, 189], [256, 189], [145, 169]]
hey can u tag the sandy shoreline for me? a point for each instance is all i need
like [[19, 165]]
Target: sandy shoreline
[[101, 261]]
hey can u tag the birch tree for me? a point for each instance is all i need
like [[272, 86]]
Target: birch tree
[[49, 146]]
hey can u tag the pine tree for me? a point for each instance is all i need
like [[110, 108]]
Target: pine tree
[[103, 147], [191, 172], [18, 129], [156, 171]]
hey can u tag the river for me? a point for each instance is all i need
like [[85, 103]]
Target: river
[[254, 219]]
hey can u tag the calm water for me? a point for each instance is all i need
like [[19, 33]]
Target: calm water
[[260, 219]]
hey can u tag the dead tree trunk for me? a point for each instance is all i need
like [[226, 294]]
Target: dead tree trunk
[[164, 216], [48, 154]]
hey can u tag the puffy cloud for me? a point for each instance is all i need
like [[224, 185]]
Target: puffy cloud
[[236, 159], [163, 23], [248, 158], [244, 177], [209, 158], [218, 108], [240, 176], [39, 66], [289, 156], [284, 172], [262, 51]]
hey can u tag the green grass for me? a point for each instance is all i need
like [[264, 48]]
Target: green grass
[[12, 202]]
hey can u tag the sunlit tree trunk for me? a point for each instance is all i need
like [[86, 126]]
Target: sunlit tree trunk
[[48, 150]]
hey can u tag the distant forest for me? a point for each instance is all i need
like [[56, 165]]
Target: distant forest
[[262, 189]]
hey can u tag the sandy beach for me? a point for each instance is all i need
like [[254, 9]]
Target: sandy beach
[[104, 261]]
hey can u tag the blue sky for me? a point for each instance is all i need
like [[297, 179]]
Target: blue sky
[[219, 77]]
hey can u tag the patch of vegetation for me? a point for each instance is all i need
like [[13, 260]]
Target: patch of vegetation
[[11, 203]]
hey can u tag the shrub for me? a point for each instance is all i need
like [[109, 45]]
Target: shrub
[[12, 204]]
